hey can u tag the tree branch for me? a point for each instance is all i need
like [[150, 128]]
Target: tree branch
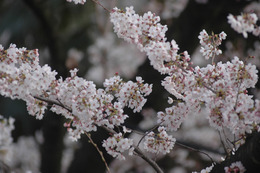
[[136, 149]]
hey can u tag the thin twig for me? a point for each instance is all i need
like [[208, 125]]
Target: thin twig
[[100, 152], [193, 149], [53, 102], [149, 132], [98, 3], [222, 142]]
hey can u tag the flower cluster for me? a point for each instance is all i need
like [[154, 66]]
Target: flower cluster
[[116, 145], [137, 29], [222, 88], [75, 98], [159, 143], [129, 93], [21, 77], [90, 106], [235, 167], [173, 116], [149, 36], [210, 43], [228, 104], [244, 23]]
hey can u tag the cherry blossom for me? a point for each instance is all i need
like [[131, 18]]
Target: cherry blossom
[[116, 145], [235, 167], [219, 87], [129, 94], [77, 99], [244, 23], [210, 43], [159, 143]]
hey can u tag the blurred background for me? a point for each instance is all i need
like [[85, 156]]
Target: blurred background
[[72, 36]]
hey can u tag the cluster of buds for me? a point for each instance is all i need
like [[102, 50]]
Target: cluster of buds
[[210, 43]]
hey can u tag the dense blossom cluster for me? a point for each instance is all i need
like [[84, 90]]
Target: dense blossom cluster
[[173, 116], [129, 94], [21, 77], [147, 33], [210, 43], [159, 143], [78, 100], [97, 107], [230, 105], [235, 167], [116, 145], [244, 23], [221, 87]]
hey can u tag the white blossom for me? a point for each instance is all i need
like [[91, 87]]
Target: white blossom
[[117, 145], [244, 23], [235, 167], [159, 143]]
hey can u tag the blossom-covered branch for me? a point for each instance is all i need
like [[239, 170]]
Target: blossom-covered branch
[[229, 81], [221, 89]]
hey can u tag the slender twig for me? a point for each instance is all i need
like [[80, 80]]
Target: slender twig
[[97, 2], [222, 142], [193, 149], [148, 131], [53, 102], [100, 152], [227, 139]]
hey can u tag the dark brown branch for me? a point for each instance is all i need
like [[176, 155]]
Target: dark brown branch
[[53, 102]]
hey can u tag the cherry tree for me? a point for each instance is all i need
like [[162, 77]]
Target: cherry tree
[[219, 91]]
